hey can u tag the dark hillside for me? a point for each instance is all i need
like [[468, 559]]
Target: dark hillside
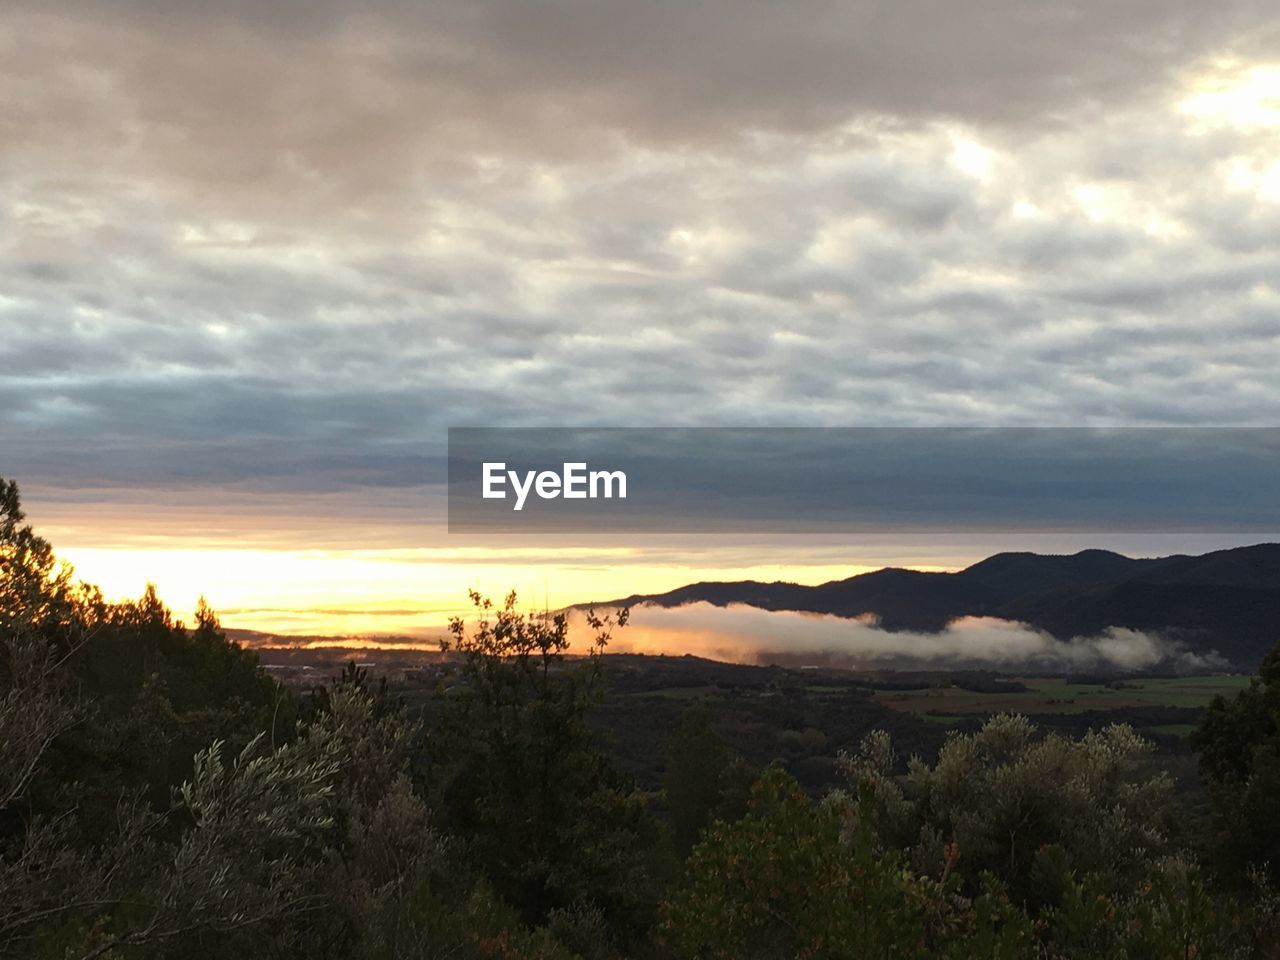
[[1226, 601]]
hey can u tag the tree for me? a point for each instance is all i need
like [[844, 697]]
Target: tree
[[1005, 792], [789, 880], [1171, 914], [802, 880], [697, 759], [1239, 745], [45, 618], [517, 774], [281, 850], [133, 867]]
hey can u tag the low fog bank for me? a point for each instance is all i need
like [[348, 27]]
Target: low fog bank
[[743, 634]]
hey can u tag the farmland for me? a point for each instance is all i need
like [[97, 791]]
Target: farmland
[[803, 719], [1058, 695]]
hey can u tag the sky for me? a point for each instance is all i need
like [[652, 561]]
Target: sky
[[257, 257]]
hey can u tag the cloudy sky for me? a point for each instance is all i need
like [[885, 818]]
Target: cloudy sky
[[256, 257]]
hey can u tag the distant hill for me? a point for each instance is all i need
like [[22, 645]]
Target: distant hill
[[1228, 600]]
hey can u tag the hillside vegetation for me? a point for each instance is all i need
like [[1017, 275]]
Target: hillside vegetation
[[160, 796]]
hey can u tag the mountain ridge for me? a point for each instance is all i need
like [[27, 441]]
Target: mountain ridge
[[1227, 600]]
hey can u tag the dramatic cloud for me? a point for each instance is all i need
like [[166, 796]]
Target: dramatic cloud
[[283, 246]]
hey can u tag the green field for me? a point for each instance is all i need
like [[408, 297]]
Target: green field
[[1056, 695], [681, 693], [1173, 729]]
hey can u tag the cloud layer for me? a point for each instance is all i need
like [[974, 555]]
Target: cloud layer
[[284, 246], [743, 634]]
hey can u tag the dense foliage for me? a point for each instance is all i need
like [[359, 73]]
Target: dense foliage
[[517, 775], [1239, 745], [161, 796]]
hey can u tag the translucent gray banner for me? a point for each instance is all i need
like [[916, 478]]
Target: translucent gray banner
[[918, 480]]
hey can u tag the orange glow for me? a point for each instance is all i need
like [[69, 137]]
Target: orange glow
[[400, 592], [356, 564]]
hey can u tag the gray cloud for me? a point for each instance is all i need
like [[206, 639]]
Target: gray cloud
[[286, 245], [669, 71]]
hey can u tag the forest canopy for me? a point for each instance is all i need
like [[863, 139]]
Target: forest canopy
[[161, 795]]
